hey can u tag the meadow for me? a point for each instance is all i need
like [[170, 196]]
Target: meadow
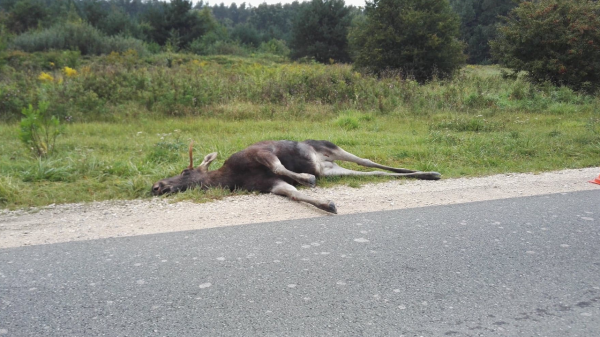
[[129, 119]]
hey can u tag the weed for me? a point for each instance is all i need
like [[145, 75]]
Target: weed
[[39, 130], [479, 101], [354, 184], [47, 170], [9, 191]]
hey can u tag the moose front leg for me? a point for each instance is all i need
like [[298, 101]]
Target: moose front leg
[[270, 160], [287, 190]]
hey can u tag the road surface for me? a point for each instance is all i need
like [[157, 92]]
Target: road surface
[[514, 267]]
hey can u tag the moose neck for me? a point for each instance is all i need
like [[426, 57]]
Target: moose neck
[[218, 178]]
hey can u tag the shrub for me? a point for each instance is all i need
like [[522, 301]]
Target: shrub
[[275, 47], [75, 36], [211, 44], [553, 40], [416, 37], [39, 130]]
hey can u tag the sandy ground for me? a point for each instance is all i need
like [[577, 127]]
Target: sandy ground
[[73, 222]]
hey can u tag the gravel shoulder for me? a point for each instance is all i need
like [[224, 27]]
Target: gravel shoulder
[[76, 222]]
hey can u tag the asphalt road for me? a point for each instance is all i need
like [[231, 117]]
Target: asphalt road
[[514, 267]]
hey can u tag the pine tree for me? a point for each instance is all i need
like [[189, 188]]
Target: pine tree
[[416, 37], [320, 31], [478, 25]]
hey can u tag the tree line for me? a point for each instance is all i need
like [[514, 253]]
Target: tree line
[[180, 22], [556, 39]]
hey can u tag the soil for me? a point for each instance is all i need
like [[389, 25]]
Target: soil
[[75, 222]]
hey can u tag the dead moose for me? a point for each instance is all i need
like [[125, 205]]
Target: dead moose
[[275, 167]]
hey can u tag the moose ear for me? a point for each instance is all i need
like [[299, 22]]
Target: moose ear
[[206, 162]]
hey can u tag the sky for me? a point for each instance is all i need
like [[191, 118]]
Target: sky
[[255, 3]]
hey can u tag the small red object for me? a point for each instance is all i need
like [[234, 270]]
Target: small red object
[[596, 181]]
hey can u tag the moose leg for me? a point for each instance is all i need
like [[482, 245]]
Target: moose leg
[[333, 169], [287, 190], [271, 161], [341, 154]]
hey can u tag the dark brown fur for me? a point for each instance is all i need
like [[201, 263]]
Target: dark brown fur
[[276, 167]]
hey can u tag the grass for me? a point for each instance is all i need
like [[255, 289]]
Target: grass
[[101, 161], [134, 117]]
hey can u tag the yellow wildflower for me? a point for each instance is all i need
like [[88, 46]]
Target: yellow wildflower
[[200, 63], [45, 77], [70, 72], [131, 53]]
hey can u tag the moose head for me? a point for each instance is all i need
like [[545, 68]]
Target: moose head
[[190, 177]]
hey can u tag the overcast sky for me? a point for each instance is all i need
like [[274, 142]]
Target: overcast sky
[[255, 3]]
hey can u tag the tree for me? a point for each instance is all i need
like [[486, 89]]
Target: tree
[[553, 40], [93, 12], [417, 37], [478, 25], [246, 34], [176, 23], [274, 21], [320, 31], [116, 22], [26, 14]]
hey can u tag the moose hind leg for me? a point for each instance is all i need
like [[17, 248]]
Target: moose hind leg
[[270, 160], [341, 154], [287, 190], [332, 169]]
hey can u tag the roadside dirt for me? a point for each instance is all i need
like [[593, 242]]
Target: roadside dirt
[[74, 222]]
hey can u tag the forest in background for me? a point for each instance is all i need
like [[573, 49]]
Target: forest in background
[[204, 28]]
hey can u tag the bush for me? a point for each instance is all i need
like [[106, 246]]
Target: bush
[[210, 44], [39, 130], [416, 37], [74, 36], [553, 40], [275, 47]]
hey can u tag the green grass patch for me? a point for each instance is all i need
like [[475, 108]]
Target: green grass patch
[[101, 161]]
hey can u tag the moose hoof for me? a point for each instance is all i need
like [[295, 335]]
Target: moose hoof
[[430, 176], [329, 207], [310, 180], [435, 176]]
